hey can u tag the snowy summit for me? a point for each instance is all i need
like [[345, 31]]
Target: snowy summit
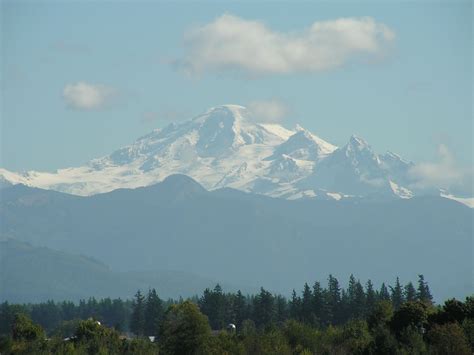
[[227, 147]]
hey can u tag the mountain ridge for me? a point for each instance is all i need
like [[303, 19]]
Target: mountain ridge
[[33, 274], [227, 147], [246, 238]]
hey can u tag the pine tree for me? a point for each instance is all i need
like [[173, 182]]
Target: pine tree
[[239, 309], [371, 297], [356, 298], [319, 308], [219, 304], [68, 310], [423, 293], [92, 308], [119, 314], [343, 311], [137, 320], [264, 308], [397, 295], [307, 315], [153, 313], [383, 293], [281, 308], [212, 304], [351, 287], [410, 292], [359, 302], [295, 306], [334, 300]]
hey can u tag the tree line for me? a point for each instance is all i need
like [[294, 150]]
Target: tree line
[[396, 319], [315, 305]]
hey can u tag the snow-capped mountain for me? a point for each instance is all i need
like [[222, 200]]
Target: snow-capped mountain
[[358, 171], [226, 147]]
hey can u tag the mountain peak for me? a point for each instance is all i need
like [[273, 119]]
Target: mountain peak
[[299, 128], [358, 143], [179, 179], [303, 132], [303, 145], [181, 184], [235, 112], [231, 107], [226, 146]]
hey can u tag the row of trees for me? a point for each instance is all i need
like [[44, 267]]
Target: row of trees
[[51, 315], [315, 305], [415, 328]]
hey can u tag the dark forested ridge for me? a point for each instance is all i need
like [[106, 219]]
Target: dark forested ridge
[[319, 319], [248, 239]]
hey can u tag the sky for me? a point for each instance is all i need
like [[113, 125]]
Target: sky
[[81, 79]]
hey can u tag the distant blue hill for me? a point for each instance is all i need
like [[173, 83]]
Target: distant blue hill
[[32, 274], [248, 239]]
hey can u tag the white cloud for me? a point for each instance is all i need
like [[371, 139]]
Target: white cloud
[[85, 96], [230, 42], [267, 110], [445, 173]]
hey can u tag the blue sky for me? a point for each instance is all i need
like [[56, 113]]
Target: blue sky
[[409, 96]]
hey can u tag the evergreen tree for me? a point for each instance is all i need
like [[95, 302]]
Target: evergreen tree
[[343, 311], [239, 309], [356, 298], [47, 314], [350, 297], [410, 292], [397, 295], [295, 306], [423, 293], [120, 313], [219, 303], [105, 310], [137, 320], [359, 301], [93, 308], [264, 310], [371, 297], [383, 293], [351, 287], [212, 304], [153, 313], [68, 310], [307, 315], [333, 300], [319, 308], [281, 309], [82, 310]]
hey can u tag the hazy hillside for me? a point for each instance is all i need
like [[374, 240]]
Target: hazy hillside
[[32, 274], [249, 239]]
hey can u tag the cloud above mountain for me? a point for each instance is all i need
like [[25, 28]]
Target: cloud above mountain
[[445, 172], [231, 42], [268, 111], [86, 96]]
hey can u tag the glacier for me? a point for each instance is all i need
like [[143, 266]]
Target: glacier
[[227, 147]]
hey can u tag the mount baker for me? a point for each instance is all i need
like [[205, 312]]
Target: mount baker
[[225, 147]]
